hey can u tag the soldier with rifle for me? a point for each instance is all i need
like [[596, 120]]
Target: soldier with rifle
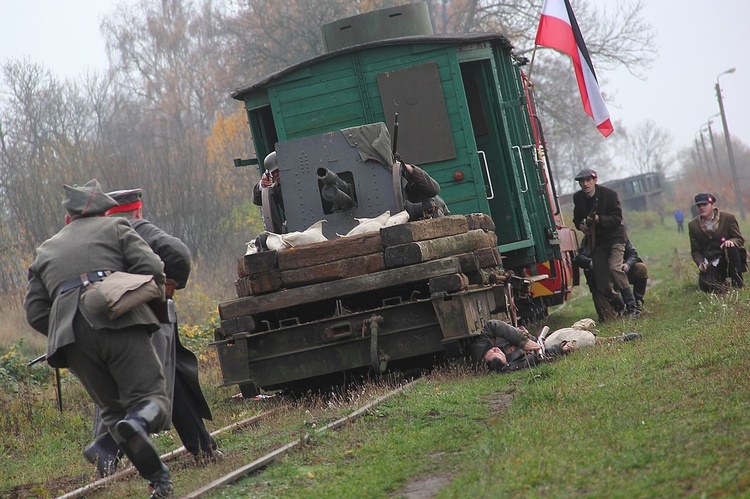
[[267, 195], [421, 198], [597, 213]]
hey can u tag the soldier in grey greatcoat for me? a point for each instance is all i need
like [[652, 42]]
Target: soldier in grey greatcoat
[[189, 405], [114, 359]]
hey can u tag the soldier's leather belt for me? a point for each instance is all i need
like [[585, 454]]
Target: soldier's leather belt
[[84, 280]]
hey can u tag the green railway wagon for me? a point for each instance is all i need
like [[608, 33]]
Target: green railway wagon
[[462, 117], [457, 106]]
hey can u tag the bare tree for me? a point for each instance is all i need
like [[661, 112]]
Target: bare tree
[[693, 174], [170, 58], [37, 136], [161, 118], [646, 148]]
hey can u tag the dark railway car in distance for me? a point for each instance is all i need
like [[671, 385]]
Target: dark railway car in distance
[[464, 114]]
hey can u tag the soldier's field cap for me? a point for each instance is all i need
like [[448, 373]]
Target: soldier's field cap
[[586, 173], [704, 198], [126, 196], [89, 200], [128, 200]]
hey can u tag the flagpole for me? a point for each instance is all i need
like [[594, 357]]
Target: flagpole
[[531, 64]]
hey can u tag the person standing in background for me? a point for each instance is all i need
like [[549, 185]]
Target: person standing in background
[[679, 217]]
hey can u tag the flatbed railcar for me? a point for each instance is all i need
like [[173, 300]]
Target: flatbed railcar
[[465, 115]]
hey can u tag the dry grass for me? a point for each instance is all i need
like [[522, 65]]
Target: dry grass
[[13, 326]]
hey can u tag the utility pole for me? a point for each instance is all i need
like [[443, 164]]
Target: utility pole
[[713, 145], [698, 157], [737, 191], [705, 152]]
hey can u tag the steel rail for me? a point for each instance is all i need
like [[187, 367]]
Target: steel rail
[[263, 461], [86, 489]]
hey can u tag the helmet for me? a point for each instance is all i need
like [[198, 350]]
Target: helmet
[[270, 162]]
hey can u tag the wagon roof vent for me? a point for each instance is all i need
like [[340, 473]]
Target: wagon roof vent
[[395, 22]]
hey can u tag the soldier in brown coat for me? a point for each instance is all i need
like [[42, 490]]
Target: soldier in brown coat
[[114, 359], [716, 245]]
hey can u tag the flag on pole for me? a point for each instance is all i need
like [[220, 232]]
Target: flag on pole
[[559, 30]]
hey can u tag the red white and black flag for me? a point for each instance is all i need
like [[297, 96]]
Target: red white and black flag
[[559, 30]]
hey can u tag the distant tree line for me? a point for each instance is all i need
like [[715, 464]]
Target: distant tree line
[[160, 116]]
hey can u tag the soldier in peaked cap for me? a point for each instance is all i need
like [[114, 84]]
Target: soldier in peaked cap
[[597, 213], [716, 245], [189, 405], [114, 359]]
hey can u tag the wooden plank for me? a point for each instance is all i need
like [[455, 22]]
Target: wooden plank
[[480, 221], [329, 251], [488, 257], [449, 283], [422, 251], [328, 99], [334, 289], [256, 263], [237, 325], [422, 230], [265, 282], [340, 269], [329, 117], [469, 262]]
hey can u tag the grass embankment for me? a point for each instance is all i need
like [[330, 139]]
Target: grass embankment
[[662, 417]]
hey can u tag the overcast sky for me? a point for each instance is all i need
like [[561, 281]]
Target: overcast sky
[[696, 39]]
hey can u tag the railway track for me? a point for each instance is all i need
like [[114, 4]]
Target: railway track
[[246, 467]]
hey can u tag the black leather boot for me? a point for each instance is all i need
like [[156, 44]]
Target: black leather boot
[[618, 304], [631, 309], [105, 453], [131, 433], [639, 291], [735, 267]]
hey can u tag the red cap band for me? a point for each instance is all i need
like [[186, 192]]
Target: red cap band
[[125, 207]]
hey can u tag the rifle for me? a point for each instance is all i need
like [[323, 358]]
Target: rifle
[[540, 339], [591, 225], [394, 144], [37, 360], [398, 168]]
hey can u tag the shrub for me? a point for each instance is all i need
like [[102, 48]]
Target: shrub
[[14, 369]]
